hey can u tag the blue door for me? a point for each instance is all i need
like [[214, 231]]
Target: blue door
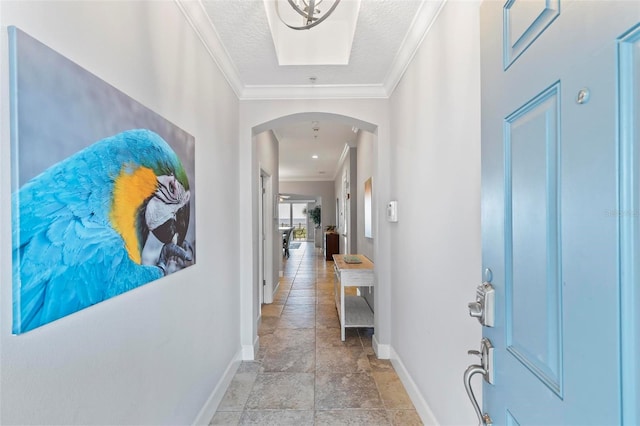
[[551, 218]]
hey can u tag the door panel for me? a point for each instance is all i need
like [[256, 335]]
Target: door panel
[[533, 311], [524, 21], [549, 177]]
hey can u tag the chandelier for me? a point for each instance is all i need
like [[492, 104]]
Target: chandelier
[[308, 9]]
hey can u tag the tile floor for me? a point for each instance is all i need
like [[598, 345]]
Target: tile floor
[[304, 374]]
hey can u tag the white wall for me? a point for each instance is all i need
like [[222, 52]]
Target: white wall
[[435, 117], [153, 355]]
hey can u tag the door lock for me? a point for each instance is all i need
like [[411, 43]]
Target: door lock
[[484, 306]]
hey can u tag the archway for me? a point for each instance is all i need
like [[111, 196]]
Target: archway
[[258, 117]]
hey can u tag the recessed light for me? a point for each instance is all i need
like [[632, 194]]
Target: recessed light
[[314, 156]]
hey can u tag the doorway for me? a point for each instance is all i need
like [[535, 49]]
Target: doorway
[[277, 117]]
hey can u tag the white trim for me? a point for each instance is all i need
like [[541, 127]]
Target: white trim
[[284, 92], [420, 26], [343, 156], [249, 351], [197, 17], [211, 406], [423, 409], [306, 179], [382, 351]]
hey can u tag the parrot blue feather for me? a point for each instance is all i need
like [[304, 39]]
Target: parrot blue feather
[[67, 255]]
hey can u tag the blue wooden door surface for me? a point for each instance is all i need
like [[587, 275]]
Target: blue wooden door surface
[[551, 216]]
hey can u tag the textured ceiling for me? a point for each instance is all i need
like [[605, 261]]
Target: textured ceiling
[[237, 34], [243, 29]]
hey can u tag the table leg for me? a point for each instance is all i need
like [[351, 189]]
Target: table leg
[[342, 312]]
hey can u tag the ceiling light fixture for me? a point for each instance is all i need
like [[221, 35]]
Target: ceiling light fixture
[[309, 12], [315, 157]]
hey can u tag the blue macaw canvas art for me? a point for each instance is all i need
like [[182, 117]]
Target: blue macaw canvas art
[[103, 188]]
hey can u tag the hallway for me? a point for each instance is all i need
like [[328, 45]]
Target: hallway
[[304, 374]]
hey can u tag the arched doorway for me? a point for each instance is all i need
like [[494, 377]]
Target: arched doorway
[[258, 117]]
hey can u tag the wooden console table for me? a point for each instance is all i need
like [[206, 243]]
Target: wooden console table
[[353, 311]]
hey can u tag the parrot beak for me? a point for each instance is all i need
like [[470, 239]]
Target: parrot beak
[[167, 212], [174, 230]]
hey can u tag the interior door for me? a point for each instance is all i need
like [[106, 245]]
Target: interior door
[[549, 187]]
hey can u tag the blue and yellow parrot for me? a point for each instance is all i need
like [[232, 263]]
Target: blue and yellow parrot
[[82, 224]]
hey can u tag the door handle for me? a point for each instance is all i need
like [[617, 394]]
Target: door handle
[[486, 369], [472, 370]]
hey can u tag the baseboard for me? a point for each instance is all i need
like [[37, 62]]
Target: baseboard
[[423, 409], [382, 351], [209, 409], [249, 352]]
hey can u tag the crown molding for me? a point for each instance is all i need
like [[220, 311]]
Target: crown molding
[[362, 91], [305, 179], [420, 26], [197, 17]]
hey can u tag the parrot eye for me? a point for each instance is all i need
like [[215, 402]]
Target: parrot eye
[[170, 190]]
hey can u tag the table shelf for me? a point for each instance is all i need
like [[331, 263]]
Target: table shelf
[[357, 312], [353, 311]]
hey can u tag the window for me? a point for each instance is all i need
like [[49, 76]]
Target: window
[[293, 214], [284, 214]]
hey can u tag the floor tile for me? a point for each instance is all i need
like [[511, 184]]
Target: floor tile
[[295, 300], [341, 359], [339, 390], [303, 373], [281, 391], [298, 360], [404, 418], [238, 391], [272, 310], [277, 417], [249, 367], [379, 364], [299, 309], [330, 336], [302, 320], [226, 418], [391, 390], [268, 325], [352, 418], [302, 292]]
